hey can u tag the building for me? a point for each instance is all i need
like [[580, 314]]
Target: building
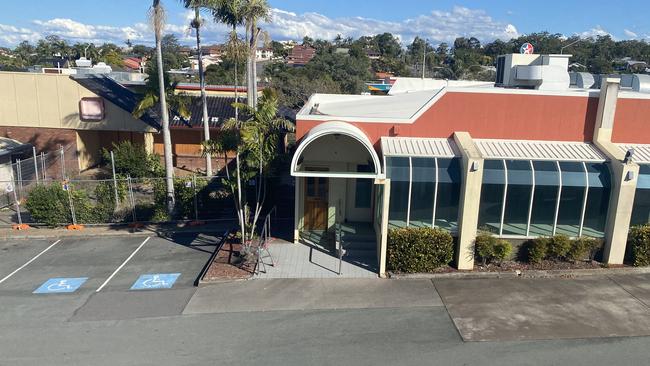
[[530, 157], [82, 113], [300, 55], [263, 54]]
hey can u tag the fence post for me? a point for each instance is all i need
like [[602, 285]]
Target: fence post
[[128, 181], [117, 199], [35, 163], [19, 174], [62, 157], [74, 217], [196, 209], [43, 170], [17, 204]]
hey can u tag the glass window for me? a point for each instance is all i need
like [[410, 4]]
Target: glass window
[[398, 172], [422, 191], [574, 184], [448, 198], [547, 184], [641, 209], [597, 200], [520, 185], [491, 204], [363, 188]]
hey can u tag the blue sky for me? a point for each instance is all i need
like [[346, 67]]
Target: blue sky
[[438, 20]]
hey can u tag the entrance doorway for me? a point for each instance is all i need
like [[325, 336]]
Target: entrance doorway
[[316, 203]]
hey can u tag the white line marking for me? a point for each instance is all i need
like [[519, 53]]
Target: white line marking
[[123, 264], [30, 261]]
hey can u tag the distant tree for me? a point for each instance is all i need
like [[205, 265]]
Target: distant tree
[[278, 49]]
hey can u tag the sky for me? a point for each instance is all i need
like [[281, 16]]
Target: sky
[[437, 20]]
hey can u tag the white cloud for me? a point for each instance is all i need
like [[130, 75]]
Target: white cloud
[[437, 26], [595, 32], [630, 34]]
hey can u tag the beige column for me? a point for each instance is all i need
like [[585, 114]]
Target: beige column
[[382, 243], [298, 210], [624, 175], [470, 193], [148, 142]]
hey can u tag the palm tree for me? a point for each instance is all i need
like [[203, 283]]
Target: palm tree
[[258, 138], [157, 18], [230, 12], [196, 24], [253, 12]]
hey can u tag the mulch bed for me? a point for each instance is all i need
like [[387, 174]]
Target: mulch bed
[[544, 265], [227, 265]]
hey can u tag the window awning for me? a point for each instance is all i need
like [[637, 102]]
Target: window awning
[[641, 152], [418, 147], [539, 150]]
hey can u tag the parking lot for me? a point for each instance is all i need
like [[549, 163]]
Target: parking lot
[[100, 278]]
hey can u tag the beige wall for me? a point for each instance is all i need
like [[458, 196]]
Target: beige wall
[[52, 101]]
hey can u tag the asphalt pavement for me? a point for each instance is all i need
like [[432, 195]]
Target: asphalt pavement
[[115, 316]]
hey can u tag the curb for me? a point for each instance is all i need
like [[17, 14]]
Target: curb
[[557, 273], [110, 232]]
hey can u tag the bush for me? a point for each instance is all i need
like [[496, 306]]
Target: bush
[[639, 241], [583, 248], [48, 204], [413, 250], [133, 160], [538, 249], [491, 249], [558, 247], [502, 251]]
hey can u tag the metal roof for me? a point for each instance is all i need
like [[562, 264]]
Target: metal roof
[[418, 147], [641, 152], [539, 150]]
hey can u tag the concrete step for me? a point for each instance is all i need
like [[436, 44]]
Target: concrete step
[[369, 245], [354, 252]]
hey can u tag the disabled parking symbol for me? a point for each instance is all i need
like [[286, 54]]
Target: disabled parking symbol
[[60, 285], [155, 281]]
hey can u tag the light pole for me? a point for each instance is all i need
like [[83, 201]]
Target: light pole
[[570, 44]]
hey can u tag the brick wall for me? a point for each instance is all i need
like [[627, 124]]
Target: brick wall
[[49, 141]]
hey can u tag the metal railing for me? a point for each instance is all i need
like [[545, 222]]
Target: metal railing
[[339, 245]]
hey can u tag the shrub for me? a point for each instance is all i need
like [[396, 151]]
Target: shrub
[[48, 204], [538, 249], [639, 241], [502, 250], [484, 245], [419, 249], [583, 248], [558, 247], [133, 159]]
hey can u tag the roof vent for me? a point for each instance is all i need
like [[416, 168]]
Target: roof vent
[[641, 83]]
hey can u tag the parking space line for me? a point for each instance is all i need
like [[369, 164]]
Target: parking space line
[[123, 264], [28, 262]]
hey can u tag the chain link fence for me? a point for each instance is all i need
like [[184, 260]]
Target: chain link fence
[[51, 202]]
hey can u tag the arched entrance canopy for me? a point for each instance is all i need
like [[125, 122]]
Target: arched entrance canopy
[[355, 140]]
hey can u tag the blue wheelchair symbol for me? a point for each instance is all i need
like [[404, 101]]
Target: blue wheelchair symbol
[[155, 281], [60, 285]]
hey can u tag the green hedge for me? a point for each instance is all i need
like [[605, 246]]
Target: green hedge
[[50, 204], [490, 249], [412, 250], [562, 248], [639, 244]]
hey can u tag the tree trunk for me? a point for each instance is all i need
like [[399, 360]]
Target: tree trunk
[[204, 99], [251, 91], [240, 211], [167, 143]]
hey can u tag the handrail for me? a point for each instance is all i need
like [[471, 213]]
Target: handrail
[[339, 245], [217, 249]]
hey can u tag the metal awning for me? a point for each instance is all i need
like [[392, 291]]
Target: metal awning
[[418, 147], [539, 150], [641, 152]]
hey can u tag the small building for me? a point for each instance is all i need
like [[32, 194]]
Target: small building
[[300, 55], [527, 157]]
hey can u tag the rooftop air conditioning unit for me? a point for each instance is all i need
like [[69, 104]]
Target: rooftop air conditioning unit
[[531, 71]]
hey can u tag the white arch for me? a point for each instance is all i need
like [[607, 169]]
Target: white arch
[[331, 128]]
